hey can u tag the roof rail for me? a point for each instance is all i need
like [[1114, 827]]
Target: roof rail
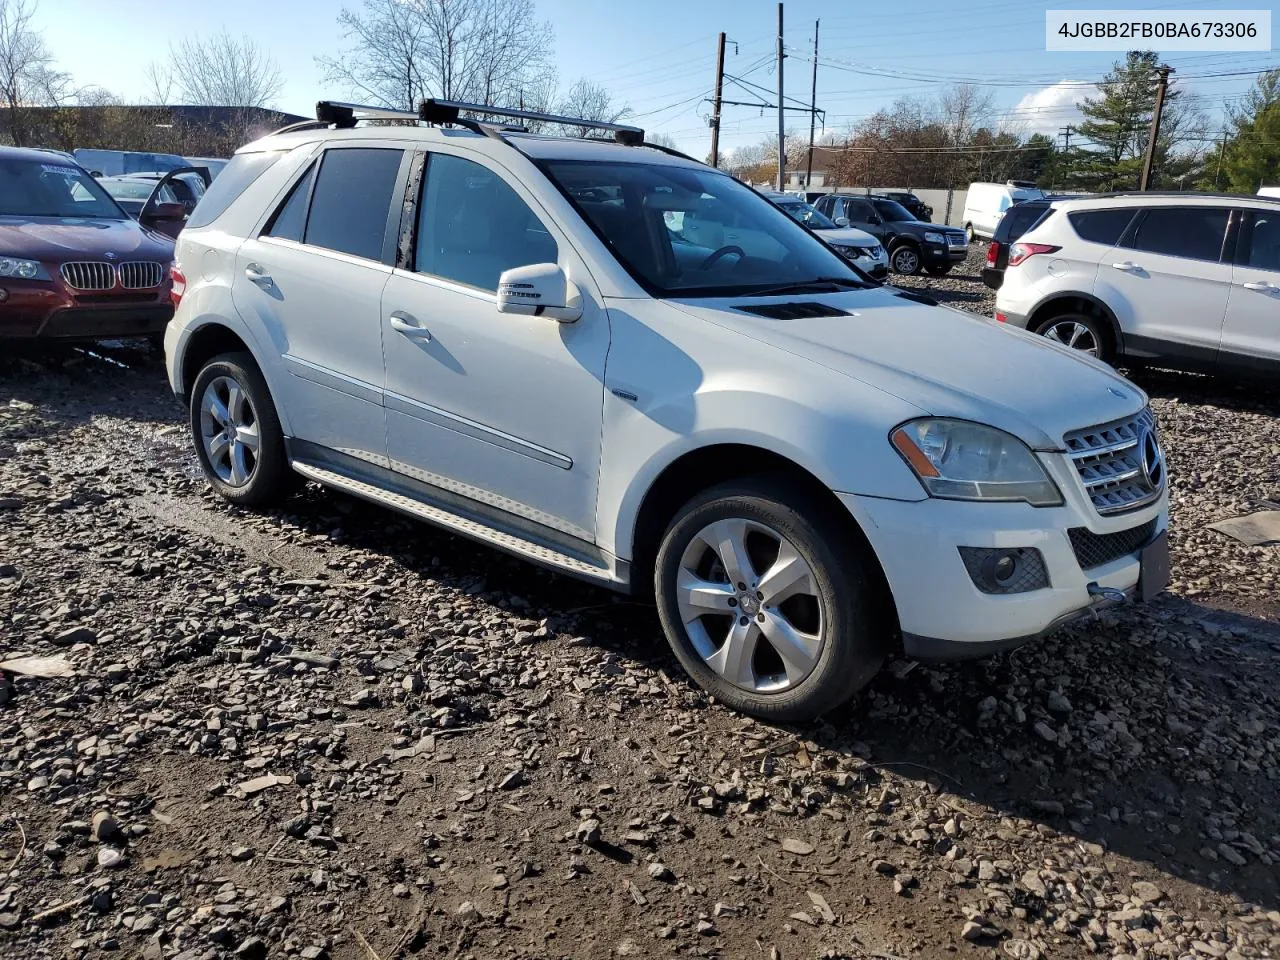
[[344, 115], [448, 111]]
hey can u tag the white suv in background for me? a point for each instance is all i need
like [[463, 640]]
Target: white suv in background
[[506, 335], [1179, 280]]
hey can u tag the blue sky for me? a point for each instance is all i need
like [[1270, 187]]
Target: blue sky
[[658, 56]]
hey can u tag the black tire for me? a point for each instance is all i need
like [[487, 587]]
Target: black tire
[[969, 234], [1059, 328], [852, 648], [905, 259], [271, 479], [939, 271]]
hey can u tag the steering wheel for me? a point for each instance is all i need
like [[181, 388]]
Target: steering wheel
[[711, 261]]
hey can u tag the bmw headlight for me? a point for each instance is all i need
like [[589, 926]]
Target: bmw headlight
[[931, 237], [959, 460], [22, 269]]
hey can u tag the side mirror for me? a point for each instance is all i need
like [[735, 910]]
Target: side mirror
[[539, 290], [165, 213], [842, 221]]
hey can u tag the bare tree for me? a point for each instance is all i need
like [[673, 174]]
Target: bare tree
[[160, 83], [220, 71], [589, 101], [402, 51], [27, 74]]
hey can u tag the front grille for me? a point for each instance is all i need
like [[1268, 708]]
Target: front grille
[[140, 274], [1097, 549], [1110, 462], [89, 275]]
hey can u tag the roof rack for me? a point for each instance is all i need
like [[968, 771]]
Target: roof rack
[[448, 111]]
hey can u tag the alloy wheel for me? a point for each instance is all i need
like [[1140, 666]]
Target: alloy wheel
[[1074, 334], [906, 261], [229, 431], [750, 606]]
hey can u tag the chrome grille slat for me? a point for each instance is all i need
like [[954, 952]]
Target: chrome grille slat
[[140, 274], [1108, 460], [89, 275]]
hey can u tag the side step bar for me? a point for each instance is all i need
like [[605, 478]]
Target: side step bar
[[512, 543]]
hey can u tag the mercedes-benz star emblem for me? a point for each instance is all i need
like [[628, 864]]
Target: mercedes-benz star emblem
[[1152, 460]]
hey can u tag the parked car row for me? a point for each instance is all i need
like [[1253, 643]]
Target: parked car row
[[912, 245]]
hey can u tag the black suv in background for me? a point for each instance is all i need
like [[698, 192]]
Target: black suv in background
[[1020, 218], [911, 243], [913, 204]]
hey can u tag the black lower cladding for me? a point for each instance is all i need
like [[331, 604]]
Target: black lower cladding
[[1098, 549], [1005, 570]]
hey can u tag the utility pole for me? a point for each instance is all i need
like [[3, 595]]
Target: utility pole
[[1066, 137], [715, 115], [408, 73], [1222, 148], [813, 108], [1162, 84], [782, 133]]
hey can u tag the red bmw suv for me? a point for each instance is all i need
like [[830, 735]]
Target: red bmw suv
[[72, 263]]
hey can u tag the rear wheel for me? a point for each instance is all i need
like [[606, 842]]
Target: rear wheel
[[905, 260], [968, 232], [765, 602], [237, 433], [1079, 331]]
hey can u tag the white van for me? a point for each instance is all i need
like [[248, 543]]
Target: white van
[[986, 204], [1269, 192]]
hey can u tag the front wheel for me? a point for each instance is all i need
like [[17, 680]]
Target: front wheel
[[905, 260], [237, 434], [1079, 331], [766, 602]]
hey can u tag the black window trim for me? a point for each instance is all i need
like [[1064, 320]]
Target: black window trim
[[1135, 225]]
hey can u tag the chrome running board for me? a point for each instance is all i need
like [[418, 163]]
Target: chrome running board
[[613, 574]]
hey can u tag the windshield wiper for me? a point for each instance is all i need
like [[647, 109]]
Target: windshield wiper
[[816, 285]]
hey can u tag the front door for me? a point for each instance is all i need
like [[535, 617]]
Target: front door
[[1251, 333], [314, 279], [501, 409], [1168, 285]]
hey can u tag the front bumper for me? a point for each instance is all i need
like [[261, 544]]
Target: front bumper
[[44, 310], [943, 614], [937, 255]]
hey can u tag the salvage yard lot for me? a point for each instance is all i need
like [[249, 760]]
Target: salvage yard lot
[[329, 731]]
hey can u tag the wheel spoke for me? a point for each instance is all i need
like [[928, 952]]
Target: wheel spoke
[[239, 465], [788, 576], [249, 437], [1052, 334], [1077, 331], [218, 446], [235, 402], [733, 660], [728, 538], [217, 410], [698, 597], [798, 650]]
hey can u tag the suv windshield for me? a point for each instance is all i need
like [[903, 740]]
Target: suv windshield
[[893, 212], [32, 188], [690, 232], [809, 216]]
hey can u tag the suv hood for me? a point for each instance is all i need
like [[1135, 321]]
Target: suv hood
[[58, 239], [944, 361], [847, 235]]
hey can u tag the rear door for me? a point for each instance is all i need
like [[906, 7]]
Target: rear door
[[1251, 332], [1168, 285], [314, 278]]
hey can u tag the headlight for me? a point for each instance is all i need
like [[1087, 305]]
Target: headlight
[[930, 237], [851, 253], [959, 460], [23, 269]]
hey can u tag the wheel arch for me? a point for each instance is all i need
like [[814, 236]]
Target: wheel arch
[[204, 342], [1077, 302], [699, 469]]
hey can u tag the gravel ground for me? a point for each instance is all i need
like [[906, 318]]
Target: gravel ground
[[330, 732]]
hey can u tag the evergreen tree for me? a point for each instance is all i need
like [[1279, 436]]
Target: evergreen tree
[[1251, 158]]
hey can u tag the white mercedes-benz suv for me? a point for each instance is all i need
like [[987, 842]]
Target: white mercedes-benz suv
[[506, 335]]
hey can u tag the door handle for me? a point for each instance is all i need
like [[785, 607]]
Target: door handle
[[257, 275], [1262, 287], [401, 322], [1127, 266]]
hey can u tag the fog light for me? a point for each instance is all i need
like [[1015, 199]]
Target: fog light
[[1004, 570]]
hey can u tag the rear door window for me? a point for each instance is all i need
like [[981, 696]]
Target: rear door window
[[1101, 226], [1194, 233], [352, 200]]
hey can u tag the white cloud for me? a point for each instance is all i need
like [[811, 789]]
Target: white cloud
[[1051, 108]]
